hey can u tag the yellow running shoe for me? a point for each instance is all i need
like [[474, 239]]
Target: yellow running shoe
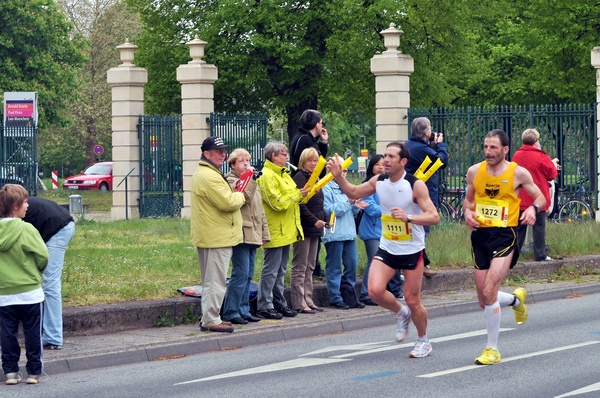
[[489, 356], [521, 310]]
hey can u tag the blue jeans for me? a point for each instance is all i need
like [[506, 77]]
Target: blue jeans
[[51, 284], [272, 279], [394, 285], [237, 302], [338, 254]]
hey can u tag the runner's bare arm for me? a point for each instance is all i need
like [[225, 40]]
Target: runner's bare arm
[[469, 201], [430, 214], [352, 191]]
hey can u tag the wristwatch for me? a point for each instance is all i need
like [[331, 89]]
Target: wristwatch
[[409, 218], [536, 207]]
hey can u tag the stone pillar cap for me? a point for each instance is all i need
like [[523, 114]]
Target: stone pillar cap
[[596, 57], [391, 38], [127, 50], [196, 50]]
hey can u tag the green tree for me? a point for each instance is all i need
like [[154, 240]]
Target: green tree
[[284, 57], [39, 53], [104, 24]]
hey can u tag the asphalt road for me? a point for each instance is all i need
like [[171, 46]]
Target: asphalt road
[[555, 354]]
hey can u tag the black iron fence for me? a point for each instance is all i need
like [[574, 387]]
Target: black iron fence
[[568, 132], [18, 156], [238, 130], [161, 174]]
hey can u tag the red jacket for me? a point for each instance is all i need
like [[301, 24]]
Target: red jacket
[[542, 169]]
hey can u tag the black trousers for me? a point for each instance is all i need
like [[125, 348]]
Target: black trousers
[[30, 315]]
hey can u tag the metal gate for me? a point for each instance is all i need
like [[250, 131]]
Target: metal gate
[[248, 131], [567, 132], [18, 156], [161, 174]]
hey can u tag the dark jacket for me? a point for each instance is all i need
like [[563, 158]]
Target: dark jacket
[[419, 149], [313, 210], [46, 216], [302, 140]]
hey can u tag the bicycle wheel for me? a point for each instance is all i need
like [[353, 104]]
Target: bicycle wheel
[[446, 214], [575, 211]]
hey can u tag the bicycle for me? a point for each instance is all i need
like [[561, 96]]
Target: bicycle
[[450, 206], [577, 208]]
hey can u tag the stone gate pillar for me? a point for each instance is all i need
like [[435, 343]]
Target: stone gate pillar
[[127, 82], [392, 71], [197, 80], [596, 64]]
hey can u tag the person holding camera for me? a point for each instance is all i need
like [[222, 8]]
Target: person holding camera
[[424, 142]]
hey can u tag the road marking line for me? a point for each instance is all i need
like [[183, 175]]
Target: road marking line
[[510, 359], [405, 345], [584, 390], [351, 347], [294, 363]]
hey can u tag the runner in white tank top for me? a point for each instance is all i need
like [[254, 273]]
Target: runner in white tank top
[[406, 208]]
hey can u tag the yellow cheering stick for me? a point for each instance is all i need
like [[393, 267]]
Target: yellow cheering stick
[[432, 169], [325, 180], [315, 174], [421, 170], [332, 222], [423, 175]]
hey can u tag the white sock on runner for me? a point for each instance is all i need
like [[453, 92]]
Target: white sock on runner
[[506, 299], [493, 315]]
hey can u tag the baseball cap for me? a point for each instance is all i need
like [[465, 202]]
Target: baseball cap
[[213, 143]]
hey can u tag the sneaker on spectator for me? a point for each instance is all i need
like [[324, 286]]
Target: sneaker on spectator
[[33, 379], [13, 378]]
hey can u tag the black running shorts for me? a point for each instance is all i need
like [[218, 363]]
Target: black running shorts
[[489, 243], [408, 261]]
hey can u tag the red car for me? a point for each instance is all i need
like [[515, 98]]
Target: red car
[[97, 176]]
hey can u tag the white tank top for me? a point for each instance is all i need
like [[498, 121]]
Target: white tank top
[[400, 194]]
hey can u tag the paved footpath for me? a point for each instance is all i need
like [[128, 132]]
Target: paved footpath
[[149, 344]]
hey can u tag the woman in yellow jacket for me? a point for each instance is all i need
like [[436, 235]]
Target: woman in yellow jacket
[[281, 201]]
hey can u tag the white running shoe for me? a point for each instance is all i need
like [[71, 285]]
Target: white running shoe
[[421, 350], [402, 326]]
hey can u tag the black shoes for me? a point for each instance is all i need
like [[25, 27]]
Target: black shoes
[[340, 305], [238, 321], [269, 314], [368, 301], [251, 318], [48, 346], [359, 305], [287, 312]]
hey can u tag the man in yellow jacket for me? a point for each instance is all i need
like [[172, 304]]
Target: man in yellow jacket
[[216, 226]]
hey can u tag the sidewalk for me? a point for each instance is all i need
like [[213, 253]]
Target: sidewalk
[[448, 293]]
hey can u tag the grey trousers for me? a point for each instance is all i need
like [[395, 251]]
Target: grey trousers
[[303, 265], [272, 278], [539, 236]]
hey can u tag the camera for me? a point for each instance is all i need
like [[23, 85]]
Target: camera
[[433, 138]]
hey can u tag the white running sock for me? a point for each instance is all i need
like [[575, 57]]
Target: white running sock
[[403, 311], [506, 299], [424, 339], [493, 315]]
